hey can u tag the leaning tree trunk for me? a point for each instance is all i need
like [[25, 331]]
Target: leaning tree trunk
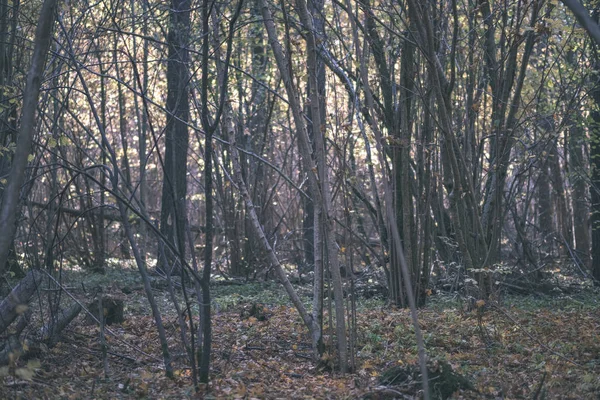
[[257, 227], [10, 197]]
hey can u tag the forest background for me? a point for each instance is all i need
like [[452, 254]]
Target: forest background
[[416, 176]]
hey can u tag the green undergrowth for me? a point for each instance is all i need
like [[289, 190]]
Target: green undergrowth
[[227, 296]]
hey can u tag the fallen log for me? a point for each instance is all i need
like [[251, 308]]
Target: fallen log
[[16, 302], [15, 347], [51, 332]]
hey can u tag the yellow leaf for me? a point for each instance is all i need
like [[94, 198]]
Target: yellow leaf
[[24, 373], [480, 303], [241, 390], [142, 388], [31, 158]]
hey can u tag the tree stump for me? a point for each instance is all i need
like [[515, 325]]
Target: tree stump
[[113, 308]]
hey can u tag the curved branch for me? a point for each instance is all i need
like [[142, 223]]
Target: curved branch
[[584, 18]]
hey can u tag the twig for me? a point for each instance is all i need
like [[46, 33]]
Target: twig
[[540, 386], [133, 360], [303, 356]]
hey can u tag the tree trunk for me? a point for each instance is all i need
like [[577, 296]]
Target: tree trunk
[[579, 195], [8, 116], [319, 187], [544, 207], [10, 196], [563, 214], [595, 161], [210, 126], [173, 210]]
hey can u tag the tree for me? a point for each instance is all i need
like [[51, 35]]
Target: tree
[[173, 205], [319, 185], [594, 126], [10, 195]]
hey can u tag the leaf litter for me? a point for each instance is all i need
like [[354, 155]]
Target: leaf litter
[[505, 351]]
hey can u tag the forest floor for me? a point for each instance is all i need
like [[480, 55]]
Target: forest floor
[[513, 350]]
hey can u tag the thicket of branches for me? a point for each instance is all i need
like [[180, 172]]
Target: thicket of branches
[[432, 142]]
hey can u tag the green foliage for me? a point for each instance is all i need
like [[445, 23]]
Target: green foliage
[[226, 297]]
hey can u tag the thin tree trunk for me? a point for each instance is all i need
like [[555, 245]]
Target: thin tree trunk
[[563, 213], [258, 230], [579, 196], [209, 128], [320, 150], [595, 165], [390, 211], [544, 208], [319, 188]]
